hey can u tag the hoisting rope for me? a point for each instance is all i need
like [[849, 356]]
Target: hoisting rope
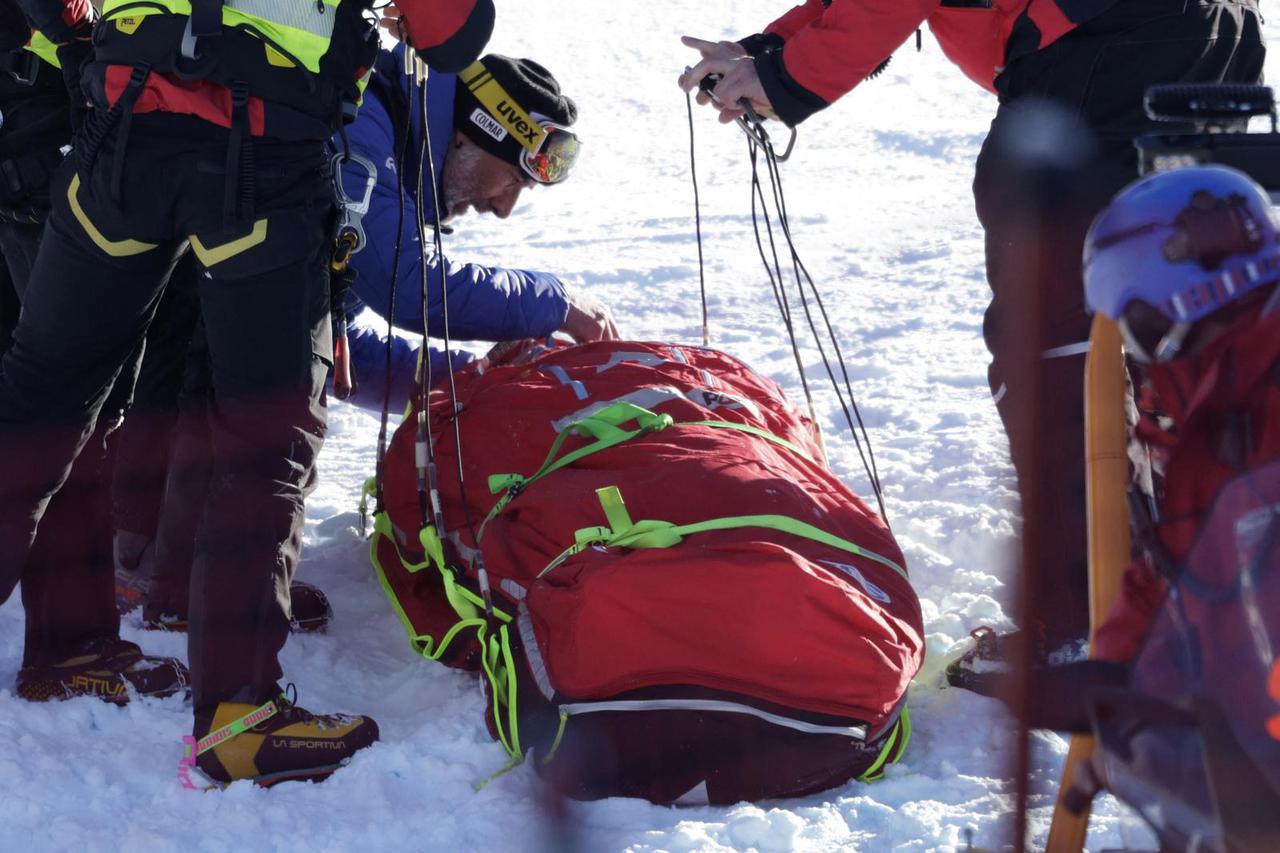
[[758, 140]]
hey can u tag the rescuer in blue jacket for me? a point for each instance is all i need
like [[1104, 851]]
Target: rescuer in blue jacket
[[473, 169]]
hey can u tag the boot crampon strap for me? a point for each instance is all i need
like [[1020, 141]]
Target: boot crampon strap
[[274, 742]]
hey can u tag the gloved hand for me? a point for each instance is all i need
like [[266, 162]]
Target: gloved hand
[[448, 37], [588, 319]]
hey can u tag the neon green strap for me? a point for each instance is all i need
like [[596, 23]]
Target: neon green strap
[[623, 533], [468, 605], [496, 658], [892, 750], [605, 426]]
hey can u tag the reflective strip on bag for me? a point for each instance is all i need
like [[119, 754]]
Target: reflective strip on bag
[[532, 653], [715, 706]]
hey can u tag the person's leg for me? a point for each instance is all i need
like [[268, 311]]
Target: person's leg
[[67, 588], [91, 293], [185, 494], [167, 566], [144, 441], [265, 309]]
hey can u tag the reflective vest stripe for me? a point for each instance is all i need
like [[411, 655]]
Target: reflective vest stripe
[[43, 48], [301, 15]]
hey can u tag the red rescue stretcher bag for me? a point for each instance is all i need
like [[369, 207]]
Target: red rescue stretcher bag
[[688, 606]]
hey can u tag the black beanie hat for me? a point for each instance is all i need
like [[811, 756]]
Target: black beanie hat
[[478, 102]]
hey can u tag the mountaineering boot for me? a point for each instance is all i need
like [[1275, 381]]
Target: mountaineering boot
[[276, 742], [310, 606], [107, 667]]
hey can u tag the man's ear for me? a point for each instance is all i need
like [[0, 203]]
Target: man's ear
[[459, 139]]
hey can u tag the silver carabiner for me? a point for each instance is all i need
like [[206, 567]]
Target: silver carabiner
[[351, 212]]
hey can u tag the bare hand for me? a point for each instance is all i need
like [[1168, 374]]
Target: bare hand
[[588, 319], [390, 21], [738, 78]]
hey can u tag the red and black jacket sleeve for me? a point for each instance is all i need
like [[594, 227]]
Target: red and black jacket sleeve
[[448, 34], [60, 21], [819, 50]]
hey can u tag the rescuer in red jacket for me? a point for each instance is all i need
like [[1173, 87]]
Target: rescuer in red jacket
[[204, 130], [1094, 59]]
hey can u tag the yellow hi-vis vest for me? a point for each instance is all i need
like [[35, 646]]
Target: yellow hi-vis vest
[[292, 30], [312, 56]]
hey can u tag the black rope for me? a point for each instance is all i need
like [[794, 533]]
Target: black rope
[[757, 140], [477, 558], [775, 275], [400, 124], [428, 489], [868, 458], [697, 224]]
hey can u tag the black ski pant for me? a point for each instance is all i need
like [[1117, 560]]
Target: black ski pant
[[145, 440], [110, 246], [186, 484], [72, 551], [18, 244], [1097, 74]]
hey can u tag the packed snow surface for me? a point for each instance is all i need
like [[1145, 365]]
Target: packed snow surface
[[878, 192]]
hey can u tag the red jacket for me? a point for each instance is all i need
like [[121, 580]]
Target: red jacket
[[829, 46], [448, 35], [1225, 403]]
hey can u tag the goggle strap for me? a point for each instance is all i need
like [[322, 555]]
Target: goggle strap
[[504, 108]]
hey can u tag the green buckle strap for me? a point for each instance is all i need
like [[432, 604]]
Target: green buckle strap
[[499, 668], [892, 750], [496, 657], [624, 533], [369, 489], [468, 605], [604, 426]]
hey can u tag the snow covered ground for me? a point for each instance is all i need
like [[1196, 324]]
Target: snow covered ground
[[878, 191]]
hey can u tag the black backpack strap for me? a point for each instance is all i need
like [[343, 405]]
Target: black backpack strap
[[206, 18]]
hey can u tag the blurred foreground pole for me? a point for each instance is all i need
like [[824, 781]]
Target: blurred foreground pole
[[1107, 479], [1035, 154]]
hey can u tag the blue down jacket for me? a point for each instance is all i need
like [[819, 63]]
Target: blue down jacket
[[485, 303]]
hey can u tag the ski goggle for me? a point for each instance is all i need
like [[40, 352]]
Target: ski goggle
[[554, 159]]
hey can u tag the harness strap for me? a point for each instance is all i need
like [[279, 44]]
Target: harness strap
[[206, 18], [122, 112], [241, 176]]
